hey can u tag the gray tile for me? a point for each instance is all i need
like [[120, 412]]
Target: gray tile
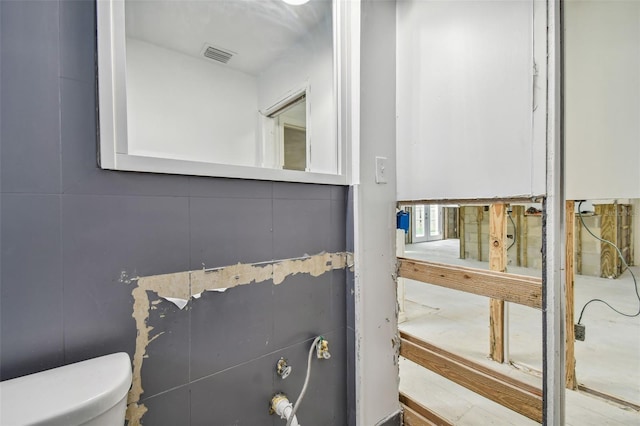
[[296, 191], [104, 238], [80, 171], [228, 231], [349, 219], [351, 376], [229, 188], [238, 396], [300, 227], [302, 307], [77, 40], [338, 299], [230, 328], [339, 192], [30, 129], [168, 409], [338, 228], [31, 329], [350, 299], [324, 403], [166, 364]]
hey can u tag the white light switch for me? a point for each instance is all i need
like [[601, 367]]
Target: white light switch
[[381, 170]]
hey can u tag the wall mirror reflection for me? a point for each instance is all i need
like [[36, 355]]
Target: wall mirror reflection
[[247, 83]]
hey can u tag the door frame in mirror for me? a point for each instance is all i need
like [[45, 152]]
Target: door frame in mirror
[[112, 105]]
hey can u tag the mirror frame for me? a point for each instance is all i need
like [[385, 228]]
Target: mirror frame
[[112, 105]]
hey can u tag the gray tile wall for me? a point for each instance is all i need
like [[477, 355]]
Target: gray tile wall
[[70, 231]]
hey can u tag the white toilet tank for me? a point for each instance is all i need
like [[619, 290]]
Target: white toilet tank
[[92, 392]]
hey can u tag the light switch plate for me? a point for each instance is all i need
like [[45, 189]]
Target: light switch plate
[[381, 170]]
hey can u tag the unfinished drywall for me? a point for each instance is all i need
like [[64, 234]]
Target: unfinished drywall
[[602, 99], [471, 99]]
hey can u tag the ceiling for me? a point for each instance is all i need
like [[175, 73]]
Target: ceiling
[[256, 31]]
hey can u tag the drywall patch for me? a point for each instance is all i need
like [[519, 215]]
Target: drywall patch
[[180, 287]]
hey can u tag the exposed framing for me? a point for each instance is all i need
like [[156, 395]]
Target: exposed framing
[[513, 394], [499, 286], [498, 263], [552, 400], [520, 289], [570, 223], [416, 414]]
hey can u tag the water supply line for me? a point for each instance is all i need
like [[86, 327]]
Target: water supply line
[[306, 379], [280, 403], [281, 406]]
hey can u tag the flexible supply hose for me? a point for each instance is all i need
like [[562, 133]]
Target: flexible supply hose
[[306, 382]]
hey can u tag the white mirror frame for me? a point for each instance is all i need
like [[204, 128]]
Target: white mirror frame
[[112, 104]]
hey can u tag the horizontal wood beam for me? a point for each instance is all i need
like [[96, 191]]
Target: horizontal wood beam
[[514, 397], [413, 418], [473, 201], [513, 288], [471, 364], [416, 414]]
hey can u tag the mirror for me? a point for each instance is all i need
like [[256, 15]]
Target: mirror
[[235, 88]]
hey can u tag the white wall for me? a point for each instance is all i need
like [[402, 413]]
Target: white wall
[[465, 99], [310, 62], [375, 212], [602, 103], [188, 108]]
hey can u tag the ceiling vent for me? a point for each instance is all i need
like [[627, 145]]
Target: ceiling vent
[[217, 54]]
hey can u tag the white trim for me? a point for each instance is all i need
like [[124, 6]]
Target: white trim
[[136, 163], [553, 278]]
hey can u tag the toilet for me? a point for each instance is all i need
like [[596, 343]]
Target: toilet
[[91, 393]]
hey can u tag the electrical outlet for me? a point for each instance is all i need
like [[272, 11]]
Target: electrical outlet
[[580, 331]]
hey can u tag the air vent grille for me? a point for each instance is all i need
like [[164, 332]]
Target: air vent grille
[[217, 54]]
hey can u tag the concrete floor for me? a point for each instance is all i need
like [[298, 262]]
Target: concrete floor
[[608, 361]]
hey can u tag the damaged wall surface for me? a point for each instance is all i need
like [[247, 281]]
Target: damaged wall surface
[[75, 238]]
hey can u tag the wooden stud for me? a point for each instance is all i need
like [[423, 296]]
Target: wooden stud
[[518, 212], [498, 263], [570, 370], [487, 385], [525, 241], [479, 219], [608, 231], [461, 232], [514, 288], [578, 243], [417, 414], [624, 235], [631, 239]]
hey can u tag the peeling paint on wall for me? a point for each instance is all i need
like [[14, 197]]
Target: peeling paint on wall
[[180, 287]]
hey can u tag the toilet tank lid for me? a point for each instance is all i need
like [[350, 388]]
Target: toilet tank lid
[[72, 394]]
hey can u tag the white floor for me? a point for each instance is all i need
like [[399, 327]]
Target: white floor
[[607, 361]]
